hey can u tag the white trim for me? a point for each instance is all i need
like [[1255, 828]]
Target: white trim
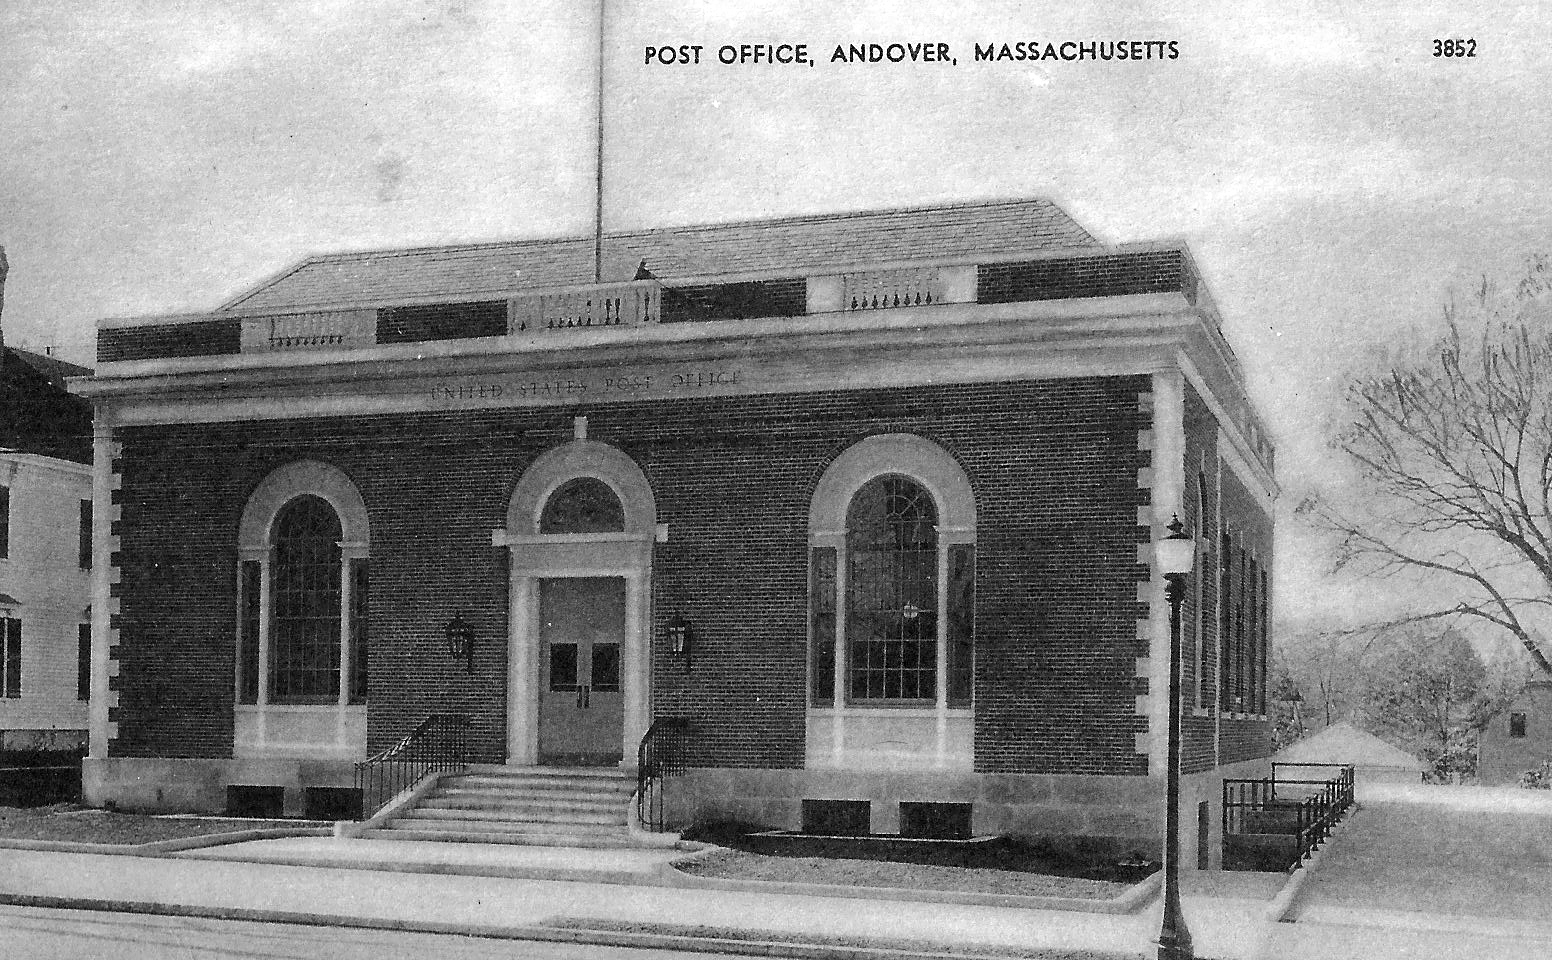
[[535, 556], [570, 461], [512, 540], [303, 477], [1257, 478], [891, 711], [1249, 477], [893, 453], [1169, 445], [104, 544], [936, 470], [1088, 320], [40, 462], [281, 486], [1219, 645]]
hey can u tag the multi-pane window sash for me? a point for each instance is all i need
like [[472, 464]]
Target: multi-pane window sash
[[892, 592], [84, 545], [10, 657], [961, 624], [359, 640], [821, 598], [305, 596], [1229, 658], [83, 661]]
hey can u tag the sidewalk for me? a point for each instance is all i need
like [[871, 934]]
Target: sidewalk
[[623, 898], [615, 896]]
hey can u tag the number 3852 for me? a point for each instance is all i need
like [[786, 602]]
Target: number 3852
[[1455, 48]]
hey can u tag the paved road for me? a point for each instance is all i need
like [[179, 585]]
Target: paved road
[[44, 934], [1443, 852]]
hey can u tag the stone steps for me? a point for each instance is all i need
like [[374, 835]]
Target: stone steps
[[547, 806], [520, 839], [523, 814]]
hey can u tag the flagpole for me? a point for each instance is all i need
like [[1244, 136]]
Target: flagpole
[[598, 183]]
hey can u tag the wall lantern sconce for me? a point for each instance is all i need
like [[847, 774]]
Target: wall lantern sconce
[[460, 641], [680, 639]]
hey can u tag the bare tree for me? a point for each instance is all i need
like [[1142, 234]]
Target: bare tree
[[1454, 444]]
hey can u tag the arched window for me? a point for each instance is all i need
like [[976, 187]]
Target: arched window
[[302, 590], [892, 592], [892, 583], [305, 596], [1198, 582], [582, 505]]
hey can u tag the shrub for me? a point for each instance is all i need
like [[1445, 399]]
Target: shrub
[[1539, 778]]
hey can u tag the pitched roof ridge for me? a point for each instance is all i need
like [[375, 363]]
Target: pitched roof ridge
[[871, 213]]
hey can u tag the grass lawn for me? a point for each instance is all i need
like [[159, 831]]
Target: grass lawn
[[68, 822], [740, 865]]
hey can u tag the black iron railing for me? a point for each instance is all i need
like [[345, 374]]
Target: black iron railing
[[1301, 810], [663, 753], [440, 742]]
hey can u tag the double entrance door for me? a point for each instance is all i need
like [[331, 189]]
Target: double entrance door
[[581, 636]]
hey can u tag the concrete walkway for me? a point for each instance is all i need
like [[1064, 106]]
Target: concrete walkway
[[1431, 872]]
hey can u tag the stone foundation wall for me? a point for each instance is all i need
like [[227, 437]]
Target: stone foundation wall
[[199, 786], [1121, 815]]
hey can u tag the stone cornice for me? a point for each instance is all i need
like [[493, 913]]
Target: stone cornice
[[598, 368]]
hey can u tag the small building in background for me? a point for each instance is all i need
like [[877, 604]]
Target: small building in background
[[1519, 740], [1374, 761]]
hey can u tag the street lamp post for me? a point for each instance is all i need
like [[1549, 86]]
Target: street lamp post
[[1176, 554]]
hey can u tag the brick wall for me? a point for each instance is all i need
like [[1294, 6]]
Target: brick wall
[[736, 301], [1248, 523], [1110, 275], [1053, 465], [442, 321], [1199, 622], [1251, 528], [201, 339]]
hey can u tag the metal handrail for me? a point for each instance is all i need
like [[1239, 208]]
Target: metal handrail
[[660, 755], [438, 743], [1314, 815]]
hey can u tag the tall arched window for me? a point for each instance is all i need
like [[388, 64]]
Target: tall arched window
[[892, 592], [305, 595], [1198, 583], [302, 590], [892, 581]]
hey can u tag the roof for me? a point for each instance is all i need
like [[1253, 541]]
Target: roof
[[1345, 743], [791, 243], [37, 414], [53, 369]]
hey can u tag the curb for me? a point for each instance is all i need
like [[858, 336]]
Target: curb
[[763, 948], [494, 871], [1135, 897], [1280, 910], [161, 848]]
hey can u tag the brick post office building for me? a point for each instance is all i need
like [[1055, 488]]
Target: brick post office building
[[869, 498]]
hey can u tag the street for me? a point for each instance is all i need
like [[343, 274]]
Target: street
[[32, 933]]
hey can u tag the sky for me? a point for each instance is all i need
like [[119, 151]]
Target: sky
[[1334, 178]]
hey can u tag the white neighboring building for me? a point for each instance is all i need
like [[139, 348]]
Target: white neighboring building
[[45, 589], [45, 550]]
